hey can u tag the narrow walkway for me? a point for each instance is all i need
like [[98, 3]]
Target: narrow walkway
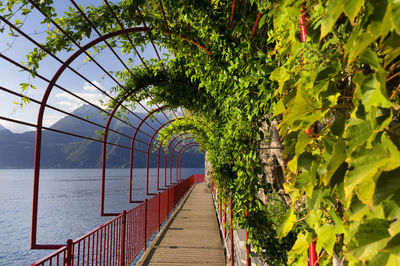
[[191, 237]]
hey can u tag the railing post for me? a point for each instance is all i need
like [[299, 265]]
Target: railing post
[[231, 231], [168, 203], [248, 259], [224, 219], [159, 210], [220, 210], [312, 254], [122, 244], [173, 192], [145, 224], [69, 256]]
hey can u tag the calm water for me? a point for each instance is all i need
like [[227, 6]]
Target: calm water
[[69, 205]]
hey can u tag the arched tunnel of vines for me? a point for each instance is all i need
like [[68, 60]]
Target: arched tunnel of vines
[[295, 103]]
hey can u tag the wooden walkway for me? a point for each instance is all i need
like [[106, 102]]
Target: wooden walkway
[[191, 237]]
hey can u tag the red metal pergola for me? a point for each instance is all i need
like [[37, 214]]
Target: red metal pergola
[[53, 82]]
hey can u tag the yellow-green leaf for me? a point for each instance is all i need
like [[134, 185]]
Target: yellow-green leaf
[[351, 8], [287, 223], [332, 12]]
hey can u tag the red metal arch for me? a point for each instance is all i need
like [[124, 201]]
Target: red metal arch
[[158, 165], [177, 168], [170, 164], [181, 152], [148, 153], [39, 124], [132, 149], [176, 161], [104, 150]]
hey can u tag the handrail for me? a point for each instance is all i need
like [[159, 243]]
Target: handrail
[[119, 241]]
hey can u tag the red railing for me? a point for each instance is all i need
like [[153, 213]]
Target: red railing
[[120, 240], [199, 178]]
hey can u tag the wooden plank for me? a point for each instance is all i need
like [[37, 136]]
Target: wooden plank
[[192, 237]]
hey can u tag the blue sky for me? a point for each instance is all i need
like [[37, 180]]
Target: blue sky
[[11, 76]]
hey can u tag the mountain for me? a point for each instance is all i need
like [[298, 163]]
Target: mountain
[[65, 151], [2, 128]]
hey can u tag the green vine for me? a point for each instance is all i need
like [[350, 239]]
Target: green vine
[[336, 97]]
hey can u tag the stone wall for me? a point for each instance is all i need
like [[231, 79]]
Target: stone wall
[[272, 159], [208, 171]]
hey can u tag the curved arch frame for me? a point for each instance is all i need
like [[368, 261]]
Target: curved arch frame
[[104, 150], [148, 155], [165, 160], [176, 161], [132, 149], [158, 164], [180, 154], [39, 124]]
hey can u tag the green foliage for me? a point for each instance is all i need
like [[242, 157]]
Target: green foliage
[[341, 84]]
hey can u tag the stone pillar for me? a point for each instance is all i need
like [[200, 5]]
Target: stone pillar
[[271, 153]]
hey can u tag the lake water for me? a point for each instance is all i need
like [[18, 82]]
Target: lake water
[[69, 205]]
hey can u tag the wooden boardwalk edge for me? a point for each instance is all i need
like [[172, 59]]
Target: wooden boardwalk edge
[[191, 235]]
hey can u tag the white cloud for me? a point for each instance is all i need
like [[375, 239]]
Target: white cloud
[[69, 102], [49, 120], [89, 87], [70, 105]]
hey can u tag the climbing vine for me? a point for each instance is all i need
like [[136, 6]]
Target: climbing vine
[[335, 96]]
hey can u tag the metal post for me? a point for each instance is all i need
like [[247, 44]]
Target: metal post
[[248, 259], [170, 167], [168, 203], [145, 224], [312, 254], [220, 210], [231, 231], [303, 34], [158, 169], [224, 219], [165, 169], [69, 256], [122, 244], [159, 209]]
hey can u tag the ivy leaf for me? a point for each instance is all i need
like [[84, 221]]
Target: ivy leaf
[[338, 222], [279, 108], [262, 21], [393, 246], [287, 223], [317, 197], [358, 132], [299, 249], [388, 184], [337, 127], [395, 7], [326, 238], [365, 164], [363, 35], [333, 11], [338, 156], [368, 165], [302, 111], [302, 140], [373, 93], [391, 48], [370, 238], [281, 76], [370, 57], [24, 86], [351, 8]]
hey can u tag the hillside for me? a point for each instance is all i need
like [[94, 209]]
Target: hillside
[[64, 151]]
